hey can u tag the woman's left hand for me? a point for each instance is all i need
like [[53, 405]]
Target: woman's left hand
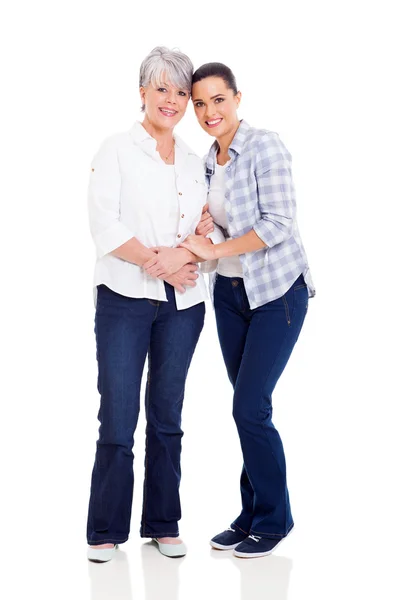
[[166, 262], [206, 223], [200, 246]]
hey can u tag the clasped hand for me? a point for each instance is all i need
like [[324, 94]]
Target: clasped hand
[[166, 261], [173, 264], [200, 246]]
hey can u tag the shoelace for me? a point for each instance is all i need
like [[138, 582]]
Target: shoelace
[[256, 538]]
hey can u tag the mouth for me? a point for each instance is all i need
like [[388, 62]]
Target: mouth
[[168, 112], [213, 123]]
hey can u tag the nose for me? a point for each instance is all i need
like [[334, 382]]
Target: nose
[[210, 111], [171, 97]]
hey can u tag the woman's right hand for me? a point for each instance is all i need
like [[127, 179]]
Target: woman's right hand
[[186, 276], [206, 223]]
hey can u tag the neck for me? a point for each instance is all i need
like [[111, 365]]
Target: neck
[[225, 140], [164, 137]]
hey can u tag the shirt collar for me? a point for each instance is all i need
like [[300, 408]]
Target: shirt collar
[[236, 145], [141, 137]]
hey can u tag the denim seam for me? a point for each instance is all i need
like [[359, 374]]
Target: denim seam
[[272, 366], [272, 453], [265, 533], [107, 541], [146, 448], [286, 309], [261, 399], [279, 535], [200, 306], [156, 313], [234, 302], [299, 287], [152, 535], [294, 312], [262, 396], [243, 294], [236, 525]]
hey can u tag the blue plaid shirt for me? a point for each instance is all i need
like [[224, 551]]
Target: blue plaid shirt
[[260, 196]]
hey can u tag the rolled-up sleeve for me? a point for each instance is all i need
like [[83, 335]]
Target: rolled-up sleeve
[[275, 191], [217, 237], [104, 202]]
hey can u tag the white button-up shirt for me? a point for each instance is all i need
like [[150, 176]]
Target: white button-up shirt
[[132, 194]]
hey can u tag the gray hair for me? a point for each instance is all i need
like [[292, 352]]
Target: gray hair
[[169, 64]]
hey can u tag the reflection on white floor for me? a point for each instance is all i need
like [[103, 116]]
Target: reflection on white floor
[[161, 574], [111, 580], [259, 578]]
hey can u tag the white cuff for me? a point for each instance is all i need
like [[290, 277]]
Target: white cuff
[[111, 238]]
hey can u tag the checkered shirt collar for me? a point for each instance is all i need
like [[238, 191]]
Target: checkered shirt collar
[[236, 145]]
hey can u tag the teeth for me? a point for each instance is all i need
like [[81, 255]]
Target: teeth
[[169, 112], [214, 122]]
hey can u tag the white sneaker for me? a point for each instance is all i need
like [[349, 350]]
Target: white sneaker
[[100, 555], [171, 550]]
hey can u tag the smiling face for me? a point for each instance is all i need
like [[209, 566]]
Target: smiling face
[[165, 104], [215, 105]]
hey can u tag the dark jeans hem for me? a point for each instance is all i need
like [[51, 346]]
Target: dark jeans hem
[[158, 535], [235, 525], [267, 535], [107, 541]]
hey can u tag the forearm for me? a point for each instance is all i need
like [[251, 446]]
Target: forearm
[[134, 252], [193, 258], [249, 242]]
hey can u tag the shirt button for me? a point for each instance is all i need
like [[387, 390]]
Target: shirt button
[[182, 216], [230, 219], [180, 193], [179, 235], [228, 169]]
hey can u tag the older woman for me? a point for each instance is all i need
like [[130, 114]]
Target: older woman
[[261, 296], [146, 196]]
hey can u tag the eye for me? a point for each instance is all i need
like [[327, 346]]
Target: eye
[[219, 100], [181, 93], [161, 89], [199, 104]]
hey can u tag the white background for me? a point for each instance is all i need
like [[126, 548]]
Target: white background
[[322, 74]]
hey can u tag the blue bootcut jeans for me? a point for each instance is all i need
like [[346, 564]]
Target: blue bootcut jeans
[[256, 346], [127, 330]]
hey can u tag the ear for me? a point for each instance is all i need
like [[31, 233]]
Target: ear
[[238, 98], [142, 92]]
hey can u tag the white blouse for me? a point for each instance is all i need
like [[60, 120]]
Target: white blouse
[[230, 266], [133, 193]]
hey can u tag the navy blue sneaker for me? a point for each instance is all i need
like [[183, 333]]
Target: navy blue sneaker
[[255, 546], [228, 539]]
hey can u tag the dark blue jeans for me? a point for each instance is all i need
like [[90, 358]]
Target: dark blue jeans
[[127, 330], [256, 346]]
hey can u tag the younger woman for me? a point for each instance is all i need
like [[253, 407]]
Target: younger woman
[[261, 295]]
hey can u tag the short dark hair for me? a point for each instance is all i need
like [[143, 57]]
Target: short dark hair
[[216, 69]]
